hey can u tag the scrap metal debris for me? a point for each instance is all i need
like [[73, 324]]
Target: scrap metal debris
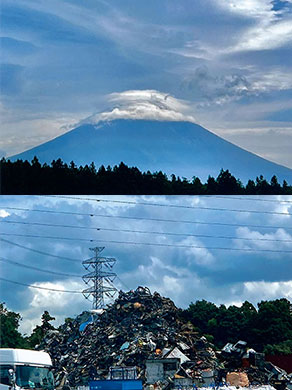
[[145, 331]]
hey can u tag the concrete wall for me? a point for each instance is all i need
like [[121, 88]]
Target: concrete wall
[[160, 369]]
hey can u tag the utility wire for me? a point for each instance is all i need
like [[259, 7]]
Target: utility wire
[[48, 254], [171, 205], [147, 243], [128, 288], [37, 269], [49, 272], [51, 224], [41, 288], [37, 251], [49, 211], [247, 198], [147, 219], [55, 256], [143, 231]]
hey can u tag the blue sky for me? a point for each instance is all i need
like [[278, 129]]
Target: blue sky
[[229, 61], [185, 267]]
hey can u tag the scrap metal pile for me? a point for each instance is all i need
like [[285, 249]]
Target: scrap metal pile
[[140, 329], [252, 367], [139, 325]]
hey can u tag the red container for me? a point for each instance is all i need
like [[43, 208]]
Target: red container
[[282, 361]]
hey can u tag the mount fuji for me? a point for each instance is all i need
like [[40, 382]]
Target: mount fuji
[[182, 148]]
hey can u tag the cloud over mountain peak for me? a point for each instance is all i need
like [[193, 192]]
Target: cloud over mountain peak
[[144, 104]]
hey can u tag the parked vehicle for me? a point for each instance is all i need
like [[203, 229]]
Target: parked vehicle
[[25, 369]]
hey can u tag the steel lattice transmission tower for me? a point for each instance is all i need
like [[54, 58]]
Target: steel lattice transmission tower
[[99, 268]]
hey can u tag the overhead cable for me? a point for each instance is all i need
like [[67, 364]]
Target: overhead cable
[[41, 288], [37, 251], [146, 243], [143, 231], [147, 219], [173, 205], [247, 198], [38, 269]]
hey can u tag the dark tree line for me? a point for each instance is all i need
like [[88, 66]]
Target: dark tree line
[[23, 177], [267, 328]]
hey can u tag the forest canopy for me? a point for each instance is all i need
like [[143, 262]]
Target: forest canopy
[[23, 177]]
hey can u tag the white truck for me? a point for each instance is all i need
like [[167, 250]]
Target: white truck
[[25, 369]]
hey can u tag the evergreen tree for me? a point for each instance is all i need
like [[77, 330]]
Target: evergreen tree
[[227, 184], [40, 331], [10, 337], [22, 177]]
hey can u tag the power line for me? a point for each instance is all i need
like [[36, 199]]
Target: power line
[[49, 211], [49, 254], [148, 244], [247, 198], [37, 269], [55, 256], [41, 288], [37, 251], [172, 205], [50, 224], [128, 288], [148, 219], [143, 231]]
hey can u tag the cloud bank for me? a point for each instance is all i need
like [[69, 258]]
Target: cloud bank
[[178, 270], [144, 104]]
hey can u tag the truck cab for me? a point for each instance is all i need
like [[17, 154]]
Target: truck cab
[[25, 369]]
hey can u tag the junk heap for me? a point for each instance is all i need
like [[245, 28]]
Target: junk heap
[[144, 331], [138, 326]]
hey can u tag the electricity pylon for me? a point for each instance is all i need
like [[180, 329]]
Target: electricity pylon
[[99, 267]]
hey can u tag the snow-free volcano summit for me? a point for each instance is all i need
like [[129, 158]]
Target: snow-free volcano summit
[[153, 134]]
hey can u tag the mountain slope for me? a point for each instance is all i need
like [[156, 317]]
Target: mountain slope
[[182, 148]]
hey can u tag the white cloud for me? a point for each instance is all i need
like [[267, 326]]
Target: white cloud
[[268, 290], [268, 32], [153, 270], [252, 132], [275, 80], [34, 131], [266, 37], [210, 87], [278, 240], [112, 205], [234, 303], [197, 255], [171, 284], [256, 291], [4, 213], [251, 8], [284, 208], [144, 104], [169, 280], [59, 304]]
